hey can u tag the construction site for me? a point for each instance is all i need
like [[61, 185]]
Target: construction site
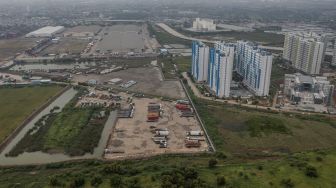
[[150, 126]]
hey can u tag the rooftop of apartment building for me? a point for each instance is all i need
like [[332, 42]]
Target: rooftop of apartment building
[[304, 79], [309, 36]]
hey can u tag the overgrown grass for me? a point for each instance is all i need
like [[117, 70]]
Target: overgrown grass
[[183, 63], [74, 131], [17, 103], [247, 132], [167, 67], [155, 171], [165, 38], [264, 125], [259, 36]]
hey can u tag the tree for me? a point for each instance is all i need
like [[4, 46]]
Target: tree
[[212, 163]]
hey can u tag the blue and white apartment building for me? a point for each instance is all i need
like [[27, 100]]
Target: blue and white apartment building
[[200, 61], [255, 66], [220, 69], [215, 66]]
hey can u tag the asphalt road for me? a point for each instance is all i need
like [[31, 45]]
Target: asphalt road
[[179, 35]]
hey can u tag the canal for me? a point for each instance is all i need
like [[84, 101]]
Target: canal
[[43, 158]]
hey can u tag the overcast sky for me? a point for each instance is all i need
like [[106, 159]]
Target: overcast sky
[[166, 1]]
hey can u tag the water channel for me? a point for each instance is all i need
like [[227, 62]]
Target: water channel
[[42, 158]]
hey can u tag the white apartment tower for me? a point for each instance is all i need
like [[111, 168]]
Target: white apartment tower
[[255, 66], [200, 61], [204, 25], [220, 69], [305, 51]]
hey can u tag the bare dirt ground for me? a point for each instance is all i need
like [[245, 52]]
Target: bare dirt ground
[[149, 81], [10, 47], [132, 137], [69, 45], [82, 29], [123, 39]]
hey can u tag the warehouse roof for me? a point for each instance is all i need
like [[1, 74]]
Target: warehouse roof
[[48, 30]]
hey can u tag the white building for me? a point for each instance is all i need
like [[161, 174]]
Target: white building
[[200, 61], [307, 89], [48, 31], [305, 51], [220, 69], [255, 67], [204, 25]]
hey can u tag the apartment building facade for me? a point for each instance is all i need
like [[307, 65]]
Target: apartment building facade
[[305, 51]]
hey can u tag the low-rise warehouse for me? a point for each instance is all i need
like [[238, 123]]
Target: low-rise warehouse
[[47, 31]]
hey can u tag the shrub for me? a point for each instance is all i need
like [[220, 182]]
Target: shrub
[[319, 159], [54, 182], [96, 181], [77, 182], [221, 181], [116, 181], [133, 183], [311, 172], [288, 183], [260, 167], [212, 163]]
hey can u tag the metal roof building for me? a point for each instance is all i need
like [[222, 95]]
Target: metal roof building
[[47, 31]]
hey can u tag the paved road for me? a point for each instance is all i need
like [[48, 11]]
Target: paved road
[[179, 35]]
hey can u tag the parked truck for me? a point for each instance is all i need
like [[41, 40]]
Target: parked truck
[[195, 133], [192, 143]]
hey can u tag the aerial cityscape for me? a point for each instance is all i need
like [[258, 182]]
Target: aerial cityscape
[[170, 94]]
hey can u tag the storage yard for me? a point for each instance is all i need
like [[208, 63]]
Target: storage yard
[[69, 45], [123, 39], [82, 31], [155, 127], [148, 80]]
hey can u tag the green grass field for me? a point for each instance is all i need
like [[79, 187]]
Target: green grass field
[[183, 64], [66, 126], [243, 132], [74, 131], [18, 103], [259, 36], [165, 38], [10, 47], [186, 171]]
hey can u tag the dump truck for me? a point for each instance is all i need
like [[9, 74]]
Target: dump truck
[[182, 106], [153, 116]]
